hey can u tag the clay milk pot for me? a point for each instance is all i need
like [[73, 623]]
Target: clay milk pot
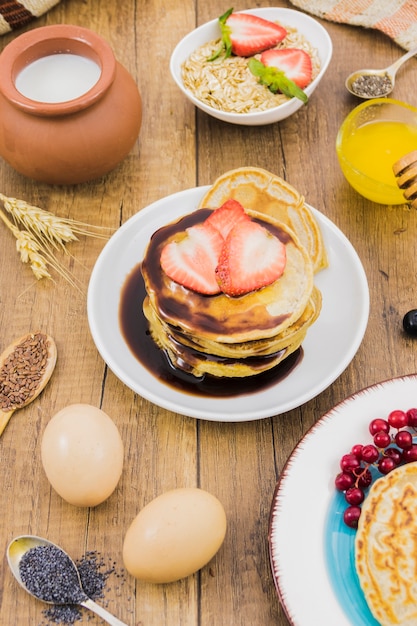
[[80, 124]]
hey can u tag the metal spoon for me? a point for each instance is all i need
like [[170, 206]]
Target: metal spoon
[[27, 386], [383, 80], [71, 583]]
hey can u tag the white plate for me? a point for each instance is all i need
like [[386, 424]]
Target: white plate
[[330, 345], [311, 549]]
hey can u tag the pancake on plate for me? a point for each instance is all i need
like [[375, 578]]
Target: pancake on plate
[[223, 333], [386, 547], [259, 190]]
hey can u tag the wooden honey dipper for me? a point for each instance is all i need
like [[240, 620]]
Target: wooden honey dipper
[[405, 171]]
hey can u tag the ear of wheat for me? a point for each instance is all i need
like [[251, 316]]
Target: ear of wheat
[[40, 235]]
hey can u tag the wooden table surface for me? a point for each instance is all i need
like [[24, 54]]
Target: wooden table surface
[[179, 148]]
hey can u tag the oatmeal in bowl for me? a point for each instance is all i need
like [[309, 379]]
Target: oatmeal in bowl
[[253, 67]]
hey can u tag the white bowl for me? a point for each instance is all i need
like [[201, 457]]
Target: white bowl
[[306, 25]]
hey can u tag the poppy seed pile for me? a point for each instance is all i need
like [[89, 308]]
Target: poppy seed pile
[[51, 576], [49, 573]]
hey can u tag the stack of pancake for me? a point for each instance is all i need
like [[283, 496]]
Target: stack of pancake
[[224, 336], [386, 547]]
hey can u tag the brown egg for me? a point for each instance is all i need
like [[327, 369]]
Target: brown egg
[[82, 454], [174, 535]]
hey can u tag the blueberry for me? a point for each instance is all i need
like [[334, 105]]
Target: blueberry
[[410, 322]]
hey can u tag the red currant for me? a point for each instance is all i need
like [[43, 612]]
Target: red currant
[[343, 481], [410, 454], [369, 453], [354, 496], [382, 439], [377, 425], [394, 454], [355, 475], [386, 465], [404, 439], [412, 417], [357, 450], [397, 419], [351, 516], [349, 462]]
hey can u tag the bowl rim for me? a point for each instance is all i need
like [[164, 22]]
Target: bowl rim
[[260, 11]]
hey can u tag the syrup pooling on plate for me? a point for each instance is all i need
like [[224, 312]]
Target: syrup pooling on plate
[[135, 330]]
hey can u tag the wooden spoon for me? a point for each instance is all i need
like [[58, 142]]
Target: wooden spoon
[[405, 171], [25, 368]]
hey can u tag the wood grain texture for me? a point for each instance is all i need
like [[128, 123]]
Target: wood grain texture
[[178, 148]]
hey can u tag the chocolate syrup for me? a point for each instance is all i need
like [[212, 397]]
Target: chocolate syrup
[[135, 330], [197, 309]]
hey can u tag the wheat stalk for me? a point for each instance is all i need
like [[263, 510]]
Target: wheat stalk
[[42, 233], [28, 249], [57, 230]]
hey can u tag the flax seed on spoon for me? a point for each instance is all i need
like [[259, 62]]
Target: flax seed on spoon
[[26, 366]]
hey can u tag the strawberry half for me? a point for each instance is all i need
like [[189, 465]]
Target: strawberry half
[[192, 260], [226, 216], [295, 63], [251, 258], [244, 34]]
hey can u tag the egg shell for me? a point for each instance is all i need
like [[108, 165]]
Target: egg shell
[[175, 535], [82, 454]]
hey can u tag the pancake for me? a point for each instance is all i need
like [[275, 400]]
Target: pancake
[[195, 361], [260, 347], [259, 190], [257, 315], [386, 547], [231, 360]]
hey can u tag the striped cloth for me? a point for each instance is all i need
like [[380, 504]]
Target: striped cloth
[[14, 14], [395, 18]]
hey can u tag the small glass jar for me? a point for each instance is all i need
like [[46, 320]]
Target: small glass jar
[[372, 137], [78, 139]]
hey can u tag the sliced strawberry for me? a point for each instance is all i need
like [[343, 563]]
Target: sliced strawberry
[[251, 258], [245, 34], [192, 260], [226, 216], [295, 63]]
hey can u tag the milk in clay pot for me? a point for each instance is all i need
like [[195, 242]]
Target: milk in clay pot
[[69, 111]]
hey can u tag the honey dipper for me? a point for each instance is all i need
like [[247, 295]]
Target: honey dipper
[[25, 368], [405, 171]]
